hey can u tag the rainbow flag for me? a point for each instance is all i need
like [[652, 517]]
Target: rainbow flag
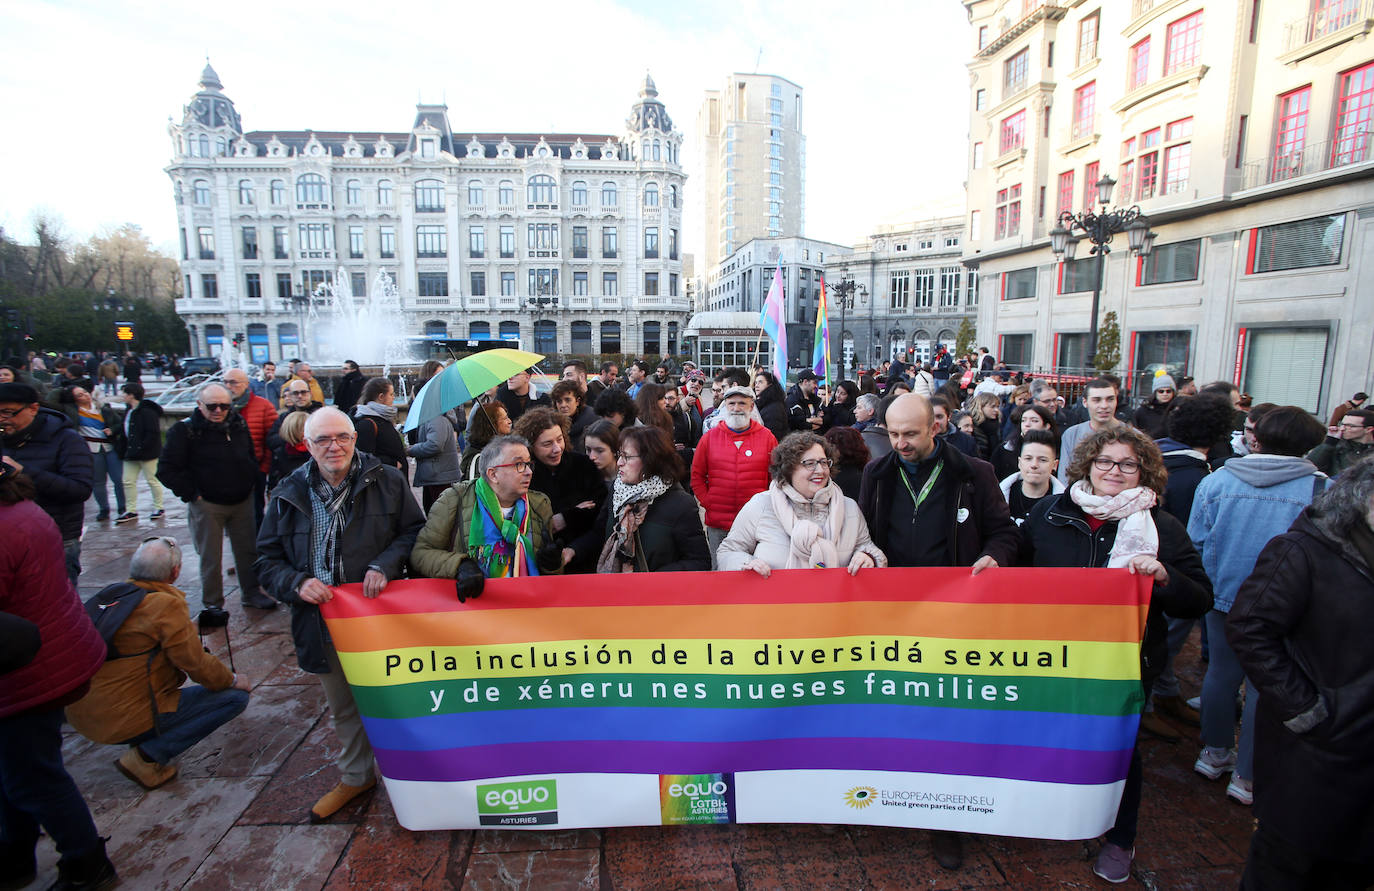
[[773, 321], [820, 354], [1006, 703]]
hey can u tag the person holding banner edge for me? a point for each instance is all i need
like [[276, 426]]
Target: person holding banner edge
[[342, 517], [928, 504], [1110, 517], [490, 527]]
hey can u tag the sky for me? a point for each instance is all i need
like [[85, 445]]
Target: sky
[[89, 87]]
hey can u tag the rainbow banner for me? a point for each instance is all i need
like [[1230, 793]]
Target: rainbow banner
[[1005, 703]]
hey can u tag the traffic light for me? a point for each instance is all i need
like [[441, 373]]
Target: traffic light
[[239, 339], [124, 331]]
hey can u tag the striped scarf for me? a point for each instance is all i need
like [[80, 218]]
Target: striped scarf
[[501, 547]]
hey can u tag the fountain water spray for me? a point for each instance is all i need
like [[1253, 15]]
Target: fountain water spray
[[369, 330]]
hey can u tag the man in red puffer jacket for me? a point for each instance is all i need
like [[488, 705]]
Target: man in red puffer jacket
[[731, 464], [49, 651]]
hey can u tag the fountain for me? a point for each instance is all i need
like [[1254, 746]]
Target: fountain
[[368, 330]]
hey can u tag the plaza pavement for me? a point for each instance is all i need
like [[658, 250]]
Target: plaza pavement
[[236, 816]]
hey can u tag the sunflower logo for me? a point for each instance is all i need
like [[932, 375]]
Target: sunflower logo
[[860, 797]]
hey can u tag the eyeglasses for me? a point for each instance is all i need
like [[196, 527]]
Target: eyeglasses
[[1128, 466], [217, 406], [520, 466], [813, 463], [625, 456], [7, 413], [322, 442], [300, 392], [1351, 426]]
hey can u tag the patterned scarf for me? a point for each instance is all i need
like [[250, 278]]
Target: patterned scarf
[[501, 547], [329, 509], [1135, 532], [629, 504]]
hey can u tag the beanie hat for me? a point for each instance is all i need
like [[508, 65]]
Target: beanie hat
[[15, 391], [1163, 382]]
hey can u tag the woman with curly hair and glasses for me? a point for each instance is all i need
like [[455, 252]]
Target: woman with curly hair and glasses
[[1110, 517], [802, 520], [649, 523]]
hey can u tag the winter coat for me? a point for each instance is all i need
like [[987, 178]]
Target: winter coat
[[988, 436], [1153, 417], [260, 416], [986, 527], [726, 475], [133, 369], [876, 439], [1300, 629], [759, 534], [516, 405], [34, 587], [378, 437], [118, 705], [670, 539], [584, 418], [1057, 534], [849, 477], [285, 457], [347, 390], [799, 408], [436, 452], [1239, 508], [55, 456], [575, 480], [211, 461], [1006, 458], [443, 542], [380, 532], [1187, 467], [838, 414], [1334, 456], [772, 409], [142, 426]]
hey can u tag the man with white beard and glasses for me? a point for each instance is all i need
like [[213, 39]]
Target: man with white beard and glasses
[[731, 464]]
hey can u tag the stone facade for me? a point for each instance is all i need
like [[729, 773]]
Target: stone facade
[[1247, 143], [572, 242]]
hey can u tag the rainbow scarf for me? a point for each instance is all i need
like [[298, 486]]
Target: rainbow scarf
[[501, 547]]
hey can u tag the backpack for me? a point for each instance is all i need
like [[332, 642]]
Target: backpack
[[109, 608]]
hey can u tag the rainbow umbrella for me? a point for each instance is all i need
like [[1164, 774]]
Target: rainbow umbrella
[[465, 380]]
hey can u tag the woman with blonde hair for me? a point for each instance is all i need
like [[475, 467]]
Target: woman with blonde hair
[[986, 411]]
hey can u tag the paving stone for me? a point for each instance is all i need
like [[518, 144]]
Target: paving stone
[[305, 776], [277, 857], [383, 855], [684, 857], [258, 741], [535, 870]]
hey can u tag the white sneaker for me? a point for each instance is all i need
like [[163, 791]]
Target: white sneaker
[[1212, 762], [1240, 790]]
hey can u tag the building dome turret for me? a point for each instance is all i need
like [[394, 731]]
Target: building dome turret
[[649, 112], [209, 107]]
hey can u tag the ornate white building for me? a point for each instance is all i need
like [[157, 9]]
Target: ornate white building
[[570, 242]]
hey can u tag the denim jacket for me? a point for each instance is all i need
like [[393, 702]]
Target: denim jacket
[[1239, 508]]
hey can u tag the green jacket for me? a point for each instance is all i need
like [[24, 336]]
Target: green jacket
[[1333, 457], [442, 544]]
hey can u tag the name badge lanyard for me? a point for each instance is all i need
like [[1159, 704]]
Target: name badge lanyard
[[925, 490]]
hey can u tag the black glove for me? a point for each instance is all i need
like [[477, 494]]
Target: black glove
[[470, 580], [549, 558]]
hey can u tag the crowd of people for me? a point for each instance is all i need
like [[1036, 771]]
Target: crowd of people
[[1256, 522]]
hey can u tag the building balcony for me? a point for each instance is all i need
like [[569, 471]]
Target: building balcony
[[1335, 22], [449, 301], [1041, 10], [1351, 149]]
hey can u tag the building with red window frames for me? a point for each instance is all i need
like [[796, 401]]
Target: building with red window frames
[[1244, 130]]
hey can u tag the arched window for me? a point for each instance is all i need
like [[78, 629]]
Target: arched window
[[435, 329], [545, 336], [672, 196], [651, 195], [429, 196], [510, 331], [201, 189], [214, 337], [505, 193], [278, 192], [476, 195], [245, 191], [202, 146], [657, 147], [353, 192], [384, 193], [479, 330], [541, 191], [310, 189], [610, 337], [288, 337], [653, 346], [608, 197], [579, 194], [221, 147], [582, 337], [258, 347]]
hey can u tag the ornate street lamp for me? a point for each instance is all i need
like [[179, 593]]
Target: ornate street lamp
[[1098, 227], [844, 296]]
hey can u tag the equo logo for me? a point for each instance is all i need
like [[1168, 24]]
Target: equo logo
[[513, 798], [518, 797], [697, 790]]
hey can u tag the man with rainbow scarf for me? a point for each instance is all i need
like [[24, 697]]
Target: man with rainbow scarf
[[489, 527]]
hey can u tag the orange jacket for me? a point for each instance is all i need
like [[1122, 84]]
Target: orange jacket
[[260, 416]]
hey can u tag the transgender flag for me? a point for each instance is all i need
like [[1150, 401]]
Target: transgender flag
[[820, 356], [771, 320]]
